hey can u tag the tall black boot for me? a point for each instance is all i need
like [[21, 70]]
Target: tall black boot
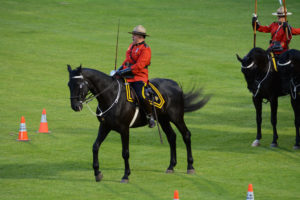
[[149, 114]]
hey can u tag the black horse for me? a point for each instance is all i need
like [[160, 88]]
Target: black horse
[[264, 82], [289, 68], [116, 113]]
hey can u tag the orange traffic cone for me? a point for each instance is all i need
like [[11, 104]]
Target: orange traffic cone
[[176, 195], [44, 124], [250, 194], [22, 131]]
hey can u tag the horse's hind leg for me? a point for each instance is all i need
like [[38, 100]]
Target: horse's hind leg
[[171, 136], [274, 106], [186, 135], [102, 133]]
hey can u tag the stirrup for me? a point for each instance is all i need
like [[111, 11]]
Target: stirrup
[[151, 121]]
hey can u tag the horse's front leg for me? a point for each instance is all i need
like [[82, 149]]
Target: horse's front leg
[[125, 153], [296, 107], [274, 106], [102, 133], [258, 107]]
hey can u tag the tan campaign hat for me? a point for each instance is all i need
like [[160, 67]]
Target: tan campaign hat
[[139, 30], [280, 12]]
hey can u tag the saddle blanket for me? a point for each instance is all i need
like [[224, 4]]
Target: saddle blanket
[[149, 91]]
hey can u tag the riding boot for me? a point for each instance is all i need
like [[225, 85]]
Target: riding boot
[[144, 104], [149, 115]]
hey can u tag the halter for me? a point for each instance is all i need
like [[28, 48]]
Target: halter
[[92, 97]]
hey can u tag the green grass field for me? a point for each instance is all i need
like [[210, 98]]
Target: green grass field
[[193, 41]]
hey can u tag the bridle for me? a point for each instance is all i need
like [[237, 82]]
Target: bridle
[[91, 96], [81, 96], [259, 82]]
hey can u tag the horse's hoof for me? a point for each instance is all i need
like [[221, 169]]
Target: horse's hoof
[[124, 181], [256, 143], [99, 177], [170, 171], [191, 171], [296, 147], [274, 145]]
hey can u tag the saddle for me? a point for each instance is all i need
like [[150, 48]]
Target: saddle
[[150, 93]]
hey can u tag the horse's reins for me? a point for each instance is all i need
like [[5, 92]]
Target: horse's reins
[[259, 84], [92, 97]]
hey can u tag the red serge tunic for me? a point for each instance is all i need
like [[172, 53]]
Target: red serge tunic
[[278, 34], [139, 57]]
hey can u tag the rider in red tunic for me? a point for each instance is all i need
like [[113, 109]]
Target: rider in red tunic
[[279, 42], [135, 67]]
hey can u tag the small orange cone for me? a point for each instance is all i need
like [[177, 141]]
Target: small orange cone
[[22, 131], [44, 124], [176, 195], [250, 194]]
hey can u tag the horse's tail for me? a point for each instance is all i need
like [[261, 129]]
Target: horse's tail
[[194, 100]]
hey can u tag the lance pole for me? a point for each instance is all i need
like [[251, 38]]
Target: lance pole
[[116, 58], [255, 13], [285, 16]]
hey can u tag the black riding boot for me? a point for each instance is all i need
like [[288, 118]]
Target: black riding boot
[[144, 104], [149, 108]]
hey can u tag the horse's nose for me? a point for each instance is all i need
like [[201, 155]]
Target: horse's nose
[[77, 107]]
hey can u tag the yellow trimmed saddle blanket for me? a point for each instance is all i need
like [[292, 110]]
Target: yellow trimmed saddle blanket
[[158, 100]]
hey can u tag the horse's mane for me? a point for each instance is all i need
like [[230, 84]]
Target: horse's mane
[[260, 57], [93, 72]]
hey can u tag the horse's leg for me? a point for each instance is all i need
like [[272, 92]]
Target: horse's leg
[[125, 153], [102, 133], [186, 136], [274, 106], [258, 107], [296, 108], [171, 136]]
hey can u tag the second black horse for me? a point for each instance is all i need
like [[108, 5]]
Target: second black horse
[[264, 82]]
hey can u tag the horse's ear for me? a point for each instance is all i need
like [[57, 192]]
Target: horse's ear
[[239, 58], [69, 68], [80, 68]]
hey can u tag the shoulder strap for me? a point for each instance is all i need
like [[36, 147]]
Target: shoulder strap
[[130, 54], [276, 32]]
